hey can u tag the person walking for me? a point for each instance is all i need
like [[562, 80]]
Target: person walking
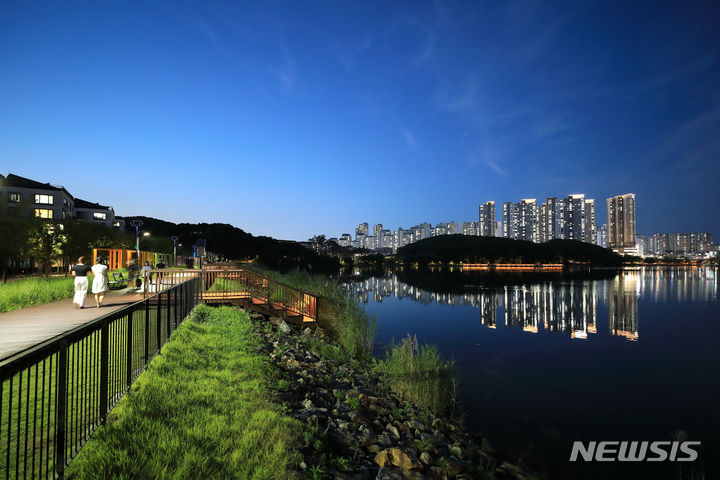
[[100, 284], [133, 276], [145, 272], [80, 271]]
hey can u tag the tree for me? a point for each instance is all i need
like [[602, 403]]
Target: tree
[[14, 235], [45, 244]]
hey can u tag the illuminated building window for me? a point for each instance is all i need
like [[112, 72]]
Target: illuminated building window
[[44, 199], [14, 197], [43, 213], [99, 216]]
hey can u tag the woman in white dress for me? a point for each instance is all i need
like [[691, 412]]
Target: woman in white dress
[[100, 284], [80, 272]]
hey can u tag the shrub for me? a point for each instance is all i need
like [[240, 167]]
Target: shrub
[[418, 374]]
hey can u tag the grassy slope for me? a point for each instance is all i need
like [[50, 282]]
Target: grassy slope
[[201, 410], [27, 292]]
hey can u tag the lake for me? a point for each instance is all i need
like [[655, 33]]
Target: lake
[[547, 359]]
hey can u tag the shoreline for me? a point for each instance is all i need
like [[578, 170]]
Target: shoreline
[[357, 428]]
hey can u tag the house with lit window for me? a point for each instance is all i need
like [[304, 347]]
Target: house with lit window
[[94, 213], [24, 198]]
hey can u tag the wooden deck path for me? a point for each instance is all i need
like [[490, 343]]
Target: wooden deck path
[[22, 329]]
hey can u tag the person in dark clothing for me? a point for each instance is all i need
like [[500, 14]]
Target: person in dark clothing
[[80, 271], [133, 276]]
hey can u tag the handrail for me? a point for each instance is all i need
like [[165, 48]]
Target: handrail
[[293, 299], [54, 395]]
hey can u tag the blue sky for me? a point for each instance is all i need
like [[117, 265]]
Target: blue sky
[[291, 119]]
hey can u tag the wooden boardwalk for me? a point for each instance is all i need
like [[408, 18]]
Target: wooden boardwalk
[[22, 329]]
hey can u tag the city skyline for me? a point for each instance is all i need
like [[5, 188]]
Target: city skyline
[[289, 122]]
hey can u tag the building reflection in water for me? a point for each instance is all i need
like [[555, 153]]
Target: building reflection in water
[[561, 307]]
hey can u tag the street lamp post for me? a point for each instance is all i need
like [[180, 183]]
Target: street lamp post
[[174, 239], [137, 223]]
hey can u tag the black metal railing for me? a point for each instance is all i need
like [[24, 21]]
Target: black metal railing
[[54, 395]]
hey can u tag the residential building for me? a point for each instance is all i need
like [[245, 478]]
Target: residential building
[[552, 219], [528, 220], [603, 236], [510, 220], [21, 197], [94, 213], [621, 224], [486, 220]]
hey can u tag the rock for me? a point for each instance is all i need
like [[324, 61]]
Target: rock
[[366, 438], [307, 331], [402, 459], [308, 405], [284, 327], [374, 448], [303, 466], [382, 458], [275, 320], [256, 317], [437, 473], [415, 425], [426, 458], [393, 431], [292, 363], [453, 465], [386, 474]]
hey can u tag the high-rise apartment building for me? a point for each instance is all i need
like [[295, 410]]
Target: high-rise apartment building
[[487, 220], [621, 224], [552, 219], [363, 229], [510, 221], [528, 218], [580, 218], [377, 230]]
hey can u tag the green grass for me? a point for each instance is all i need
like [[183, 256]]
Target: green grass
[[415, 372], [203, 409], [419, 374], [27, 292], [36, 406]]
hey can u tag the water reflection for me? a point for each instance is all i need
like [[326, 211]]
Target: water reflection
[[556, 304]]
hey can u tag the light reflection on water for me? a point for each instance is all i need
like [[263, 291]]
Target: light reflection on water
[[546, 359], [568, 307]]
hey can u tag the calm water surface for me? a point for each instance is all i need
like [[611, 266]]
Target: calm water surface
[[547, 359]]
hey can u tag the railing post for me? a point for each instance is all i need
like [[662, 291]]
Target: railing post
[[159, 323], [129, 348], [147, 331], [61, 410], [176, 305], [167, 307], [104, 369]]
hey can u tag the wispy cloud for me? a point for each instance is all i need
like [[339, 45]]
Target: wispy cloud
[[347, 55], [458, 98], [286, 71], [409, 139], [211, 34], [428, 49], [691, 144]]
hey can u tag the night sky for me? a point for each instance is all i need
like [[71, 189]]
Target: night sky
[[292, 119]]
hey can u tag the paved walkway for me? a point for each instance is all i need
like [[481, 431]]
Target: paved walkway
[[24, 328]]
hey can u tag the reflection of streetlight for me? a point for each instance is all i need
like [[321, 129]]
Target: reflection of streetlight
[[137, 223], [174, 239]]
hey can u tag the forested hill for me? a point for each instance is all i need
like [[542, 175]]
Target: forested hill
[[236, 244], [471, 249]]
